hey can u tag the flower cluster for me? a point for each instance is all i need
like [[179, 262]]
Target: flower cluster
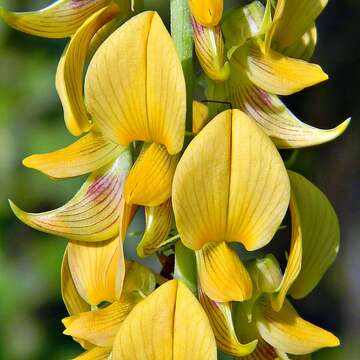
[[207, 180]]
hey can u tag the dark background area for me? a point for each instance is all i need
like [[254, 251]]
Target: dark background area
[[31, 122]]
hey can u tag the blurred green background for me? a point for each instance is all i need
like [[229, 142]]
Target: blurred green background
[[31, 122]]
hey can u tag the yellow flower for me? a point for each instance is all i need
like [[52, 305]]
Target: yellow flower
[[207, 12]]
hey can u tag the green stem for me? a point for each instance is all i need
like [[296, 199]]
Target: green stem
[[181, 31]]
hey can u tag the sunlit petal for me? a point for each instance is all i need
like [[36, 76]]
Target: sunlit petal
[[87, 154], [58, 20], [158, 224], [207, 12], [288, 332], [222, 275], [69, 75], [135, 90], [93, 213], [150, 180], [97, 353], [200, 116], [320, 234]]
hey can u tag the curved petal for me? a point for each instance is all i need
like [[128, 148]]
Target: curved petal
[[230, 185], [158, 224], [100, 327], [271, 114], [70, 71], [220, 317], [87, 154], [221, 273], [163, 326], [263, 351], [320, 234], [135, 90], [58, 20], [278, 74], [287, 331], [93, 213], [150, 180], [74, 303], [207, 12], [295, 19], [98, 269], [200, 116], [294, 261], [97, 353], [127, 214]]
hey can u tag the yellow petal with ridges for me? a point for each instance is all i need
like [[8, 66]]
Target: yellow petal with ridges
[[200, 116], [271, 114], [147, 101], [97, 353], [207, 12], [222, 275], [74, 303], [99, 327], [288, 332], [163, 327], [293, 265], [220, 317], [127, 214], [150, 180], [93, 214], [58, 20], [320, 234], [263, 351], [98, 269], [278, 74], [230, 185], [296, 18], [158, 224], [70, 71], [87, 154]]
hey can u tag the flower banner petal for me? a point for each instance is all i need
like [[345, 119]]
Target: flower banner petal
[[320, 234], [93, 213], [158, 224], [58, 20], [150, 180], [163, 327], [207, 12], [147, 101], [220, 316], [70, 71], [87, 154], [287, 331], [271, 114], [98, 269], [222, 275], [278, 74]]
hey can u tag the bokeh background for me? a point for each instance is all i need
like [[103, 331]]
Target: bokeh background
[[31, 122]]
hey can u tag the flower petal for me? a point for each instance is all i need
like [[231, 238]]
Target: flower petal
[[97, 353], [271, 114], [69, 75], [295, 19], [207, 12], [163, 326], [320, 234], [127, 214], [200, 116], [230, 185], [98, 269], [220, 316], [263, 351], [150, 180], [135, 90], [287, 331], [158, 224], [294, 261], [74, 303], [278, 74], [58, 20], [93, 213], [87, 154], [100, 327], [222, 275]]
